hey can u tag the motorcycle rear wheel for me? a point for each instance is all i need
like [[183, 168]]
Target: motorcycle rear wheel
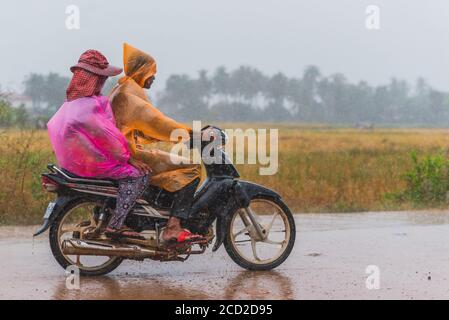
[[80, 209], [275, 213]]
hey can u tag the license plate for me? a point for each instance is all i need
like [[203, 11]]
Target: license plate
[[49, 210]]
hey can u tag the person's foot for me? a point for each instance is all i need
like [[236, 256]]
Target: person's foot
[[173, 232]]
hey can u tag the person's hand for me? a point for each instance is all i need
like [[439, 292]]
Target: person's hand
[[210, 134], [140, 165]]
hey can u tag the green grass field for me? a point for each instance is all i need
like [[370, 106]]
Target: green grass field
[[320, 169]]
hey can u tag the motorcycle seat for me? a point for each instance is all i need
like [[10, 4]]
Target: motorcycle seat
[[71, 177]]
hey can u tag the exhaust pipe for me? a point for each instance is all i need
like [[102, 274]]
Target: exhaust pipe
[[92, 248]]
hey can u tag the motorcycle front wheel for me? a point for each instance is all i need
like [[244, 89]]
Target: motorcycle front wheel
[[248, 248]]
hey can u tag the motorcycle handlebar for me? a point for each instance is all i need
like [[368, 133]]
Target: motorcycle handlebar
[[190, 141]]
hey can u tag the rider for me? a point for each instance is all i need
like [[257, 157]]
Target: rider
[[87, 142], [142, 123]]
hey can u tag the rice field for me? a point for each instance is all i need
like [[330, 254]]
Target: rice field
[[321, 169]]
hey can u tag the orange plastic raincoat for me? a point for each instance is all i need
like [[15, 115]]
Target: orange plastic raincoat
[[142, 123]]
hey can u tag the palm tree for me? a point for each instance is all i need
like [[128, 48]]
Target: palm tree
[[34, 88]]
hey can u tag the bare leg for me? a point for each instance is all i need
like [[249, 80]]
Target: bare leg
[[180, 211], [129, 190]]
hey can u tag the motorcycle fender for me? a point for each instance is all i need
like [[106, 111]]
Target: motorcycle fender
[[59, 205], [251, 190]]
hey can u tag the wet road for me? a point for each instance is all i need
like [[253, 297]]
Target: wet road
[[332, 252]]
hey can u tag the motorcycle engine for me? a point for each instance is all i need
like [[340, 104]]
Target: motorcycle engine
[[199, 223]]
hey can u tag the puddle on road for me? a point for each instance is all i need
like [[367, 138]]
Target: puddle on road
[[220, 278], [244, 285]]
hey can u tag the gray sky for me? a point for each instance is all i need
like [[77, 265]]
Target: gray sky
[[187, 35]]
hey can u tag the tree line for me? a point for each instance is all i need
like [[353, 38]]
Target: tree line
[[247, 94]]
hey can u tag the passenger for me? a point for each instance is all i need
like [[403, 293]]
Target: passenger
[[87, 142]]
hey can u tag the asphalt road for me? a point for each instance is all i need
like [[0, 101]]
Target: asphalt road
[[409, 252]]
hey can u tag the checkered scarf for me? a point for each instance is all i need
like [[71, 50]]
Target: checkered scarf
[[84, 84]]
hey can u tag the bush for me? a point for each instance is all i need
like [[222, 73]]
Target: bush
[[428, 180], [23, 157], [13, 117]]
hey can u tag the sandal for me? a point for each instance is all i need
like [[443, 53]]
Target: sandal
[[185, 236], [123, 232]]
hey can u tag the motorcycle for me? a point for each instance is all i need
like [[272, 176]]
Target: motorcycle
[[256, 227]]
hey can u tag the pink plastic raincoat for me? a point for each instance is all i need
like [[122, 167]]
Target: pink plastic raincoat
[[87, 142]]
